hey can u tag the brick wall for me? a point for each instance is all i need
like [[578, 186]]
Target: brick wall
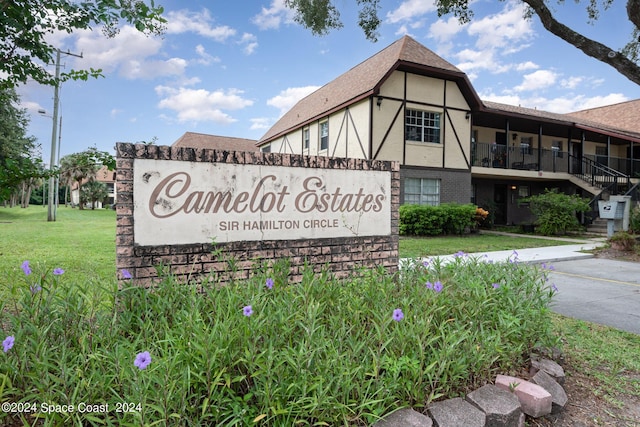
[[455, 185], [196, 261]]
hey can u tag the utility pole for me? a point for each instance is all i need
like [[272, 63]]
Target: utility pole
[[51, 213]]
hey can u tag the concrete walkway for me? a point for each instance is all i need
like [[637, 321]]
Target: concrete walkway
[[544, 254]]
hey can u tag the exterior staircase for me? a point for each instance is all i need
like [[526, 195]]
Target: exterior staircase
[[598, 226]]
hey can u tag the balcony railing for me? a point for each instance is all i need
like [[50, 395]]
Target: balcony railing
[[526, 158], [521, 158]]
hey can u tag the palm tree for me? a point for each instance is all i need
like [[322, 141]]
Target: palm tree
[[78, 167], [93, 192]]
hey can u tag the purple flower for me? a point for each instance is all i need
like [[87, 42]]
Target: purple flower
[[142, 360], [398, 315], [58, 271], [429, 285], [269, 283], [425, 263], [247, 311], [35, 288], [25, 267], [554, 288], [495, 285], [125, 273], [437, 286], [8, 343], [459, 254], [515, 253]]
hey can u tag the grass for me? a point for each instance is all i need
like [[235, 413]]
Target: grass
[[414, 247], [82, 242], [608, 356], [322, 352]]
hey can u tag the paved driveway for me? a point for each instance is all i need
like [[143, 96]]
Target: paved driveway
[[599, 290]]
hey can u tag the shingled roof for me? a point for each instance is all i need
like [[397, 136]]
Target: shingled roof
[[364, 80], [625, 115], [216, 142]]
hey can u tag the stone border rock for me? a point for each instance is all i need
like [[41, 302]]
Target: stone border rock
[[503, 404]]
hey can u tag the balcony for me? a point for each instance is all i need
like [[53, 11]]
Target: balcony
[[519, 158], [592, 172]]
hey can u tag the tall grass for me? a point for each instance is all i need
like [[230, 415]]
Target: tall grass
[[323, 352]]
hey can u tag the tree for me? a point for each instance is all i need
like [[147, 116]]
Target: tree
[[321, 16], [83, 166], [93, 192], [20, 166], [24, 27]]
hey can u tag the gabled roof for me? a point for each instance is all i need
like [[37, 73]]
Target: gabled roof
[[624, 115], [216, 142], [365, 80]]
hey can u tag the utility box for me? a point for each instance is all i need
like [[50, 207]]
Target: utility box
[[616, 212], [609, 209]]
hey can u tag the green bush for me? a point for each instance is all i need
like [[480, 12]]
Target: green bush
[[556, 212], [322, 352], [634, 220], [447, 218]]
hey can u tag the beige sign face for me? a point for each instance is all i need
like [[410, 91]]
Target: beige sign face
[[190, 202]]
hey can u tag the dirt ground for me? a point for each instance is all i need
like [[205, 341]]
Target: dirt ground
[[585, 408]]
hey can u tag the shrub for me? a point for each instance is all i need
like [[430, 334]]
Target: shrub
[[622, 240], [447, 218], [634, 220], [265, 352], [556, 212]]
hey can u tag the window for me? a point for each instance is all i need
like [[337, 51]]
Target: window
[[266, 149], [422, 191], [422, 126], [324, 135], [305, 139]]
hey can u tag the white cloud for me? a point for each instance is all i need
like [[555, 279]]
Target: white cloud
[[204, 57], [559, 104], [526, 66], [271, 18], [409, 10], [507, 29], [115, 112], [571, 82], [444, 31], [288, 97], [183, 21], [496, 36], [260, 123], [540, 79], [127, 53], [196, 105], [250, 43]]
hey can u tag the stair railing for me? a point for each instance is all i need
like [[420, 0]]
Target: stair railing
[[598, 175]]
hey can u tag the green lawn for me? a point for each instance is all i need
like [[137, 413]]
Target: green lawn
[[81, 242], [413, 247]]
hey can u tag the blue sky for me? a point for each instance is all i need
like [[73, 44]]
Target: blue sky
[[233, 68]]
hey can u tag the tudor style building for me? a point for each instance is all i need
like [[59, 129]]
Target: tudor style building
[[409, 105]]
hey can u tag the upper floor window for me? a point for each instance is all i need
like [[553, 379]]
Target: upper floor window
[[422, 126], [324, 135], [266, 149], [305, 139]]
